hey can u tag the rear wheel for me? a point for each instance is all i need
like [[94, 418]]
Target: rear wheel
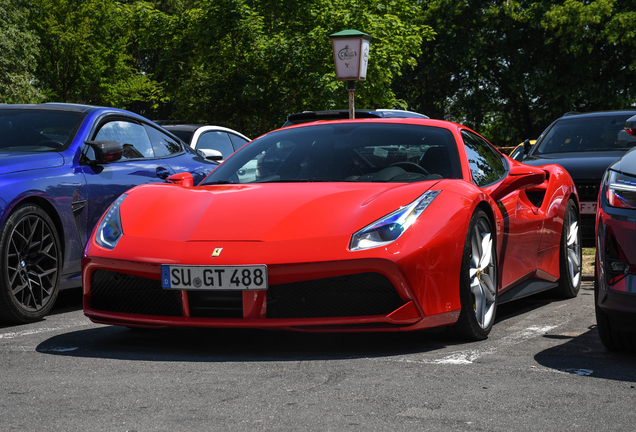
[[478, 281], [570, 255], [30, 255]]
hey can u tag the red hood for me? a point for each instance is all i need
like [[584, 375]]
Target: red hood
[[260, 212]]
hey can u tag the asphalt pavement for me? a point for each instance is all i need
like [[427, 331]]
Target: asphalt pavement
[[543, 368]]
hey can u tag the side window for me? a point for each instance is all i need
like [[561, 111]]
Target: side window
[[162, 144], [132, 136], [486, 166], [216, 141], [237, 141]]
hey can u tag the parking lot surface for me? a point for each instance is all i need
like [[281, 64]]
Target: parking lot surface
[[542, 368]]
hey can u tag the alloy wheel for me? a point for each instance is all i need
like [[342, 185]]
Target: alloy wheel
[[573, 247], [32, 263], [482, 274]]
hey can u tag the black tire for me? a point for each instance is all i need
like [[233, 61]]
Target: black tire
[[31, 263], [478, 281], [570, 259], [612, 338]]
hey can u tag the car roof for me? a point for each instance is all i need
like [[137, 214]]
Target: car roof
[[52, 106], [180, 127], [377, 120], [610, 113], [310, 116]]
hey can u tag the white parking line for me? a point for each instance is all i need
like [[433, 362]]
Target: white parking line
[[29, 332], [489, 347]]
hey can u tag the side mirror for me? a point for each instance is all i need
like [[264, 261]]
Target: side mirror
[[526, 147], [519, 177], [209, 154], [181, 179], [106, 151]]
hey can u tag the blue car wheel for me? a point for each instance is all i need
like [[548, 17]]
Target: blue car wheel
[[31, 265]]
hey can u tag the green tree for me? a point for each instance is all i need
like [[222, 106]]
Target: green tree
[[508, 68], [596, 46], [248, 63], [18, 51], [83, 53]]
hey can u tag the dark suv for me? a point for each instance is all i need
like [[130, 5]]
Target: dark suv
[[585, 145]]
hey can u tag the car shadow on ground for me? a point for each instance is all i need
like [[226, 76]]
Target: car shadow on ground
[[585, 355], [67, 301], [222, 345], [580, 354]]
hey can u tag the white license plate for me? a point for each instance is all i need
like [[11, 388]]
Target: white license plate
[[587, 207], [182, 277]]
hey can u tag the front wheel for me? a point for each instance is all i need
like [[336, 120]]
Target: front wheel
[[31, 258], [570, 254], [478, 281], [611, 337]]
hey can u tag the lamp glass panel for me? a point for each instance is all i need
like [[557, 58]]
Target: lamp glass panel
[[347, 55]]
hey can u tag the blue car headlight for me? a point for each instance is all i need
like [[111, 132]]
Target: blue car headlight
[[109, 230], [392, 226]]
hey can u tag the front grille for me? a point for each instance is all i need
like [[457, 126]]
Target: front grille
[[588, 191], [363, 294], [216, 304], [588, 229], [122, 293]]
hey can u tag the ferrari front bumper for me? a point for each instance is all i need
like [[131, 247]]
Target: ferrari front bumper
[[360, 295]]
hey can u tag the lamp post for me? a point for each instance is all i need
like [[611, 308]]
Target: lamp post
[[351, 58]]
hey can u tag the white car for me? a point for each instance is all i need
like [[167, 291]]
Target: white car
[[213, 142]]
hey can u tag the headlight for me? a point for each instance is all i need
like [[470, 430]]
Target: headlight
[[109, 230], [390, 227], [621, 190]]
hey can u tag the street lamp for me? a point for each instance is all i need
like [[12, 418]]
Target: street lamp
[[351, 58]]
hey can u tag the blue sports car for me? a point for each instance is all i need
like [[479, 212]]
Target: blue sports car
[[61, 166]]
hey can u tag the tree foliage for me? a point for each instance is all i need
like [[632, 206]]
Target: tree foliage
[[249, 63], [506, 68], [18, 51], [83, 54]]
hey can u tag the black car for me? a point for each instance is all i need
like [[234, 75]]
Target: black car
[[585, 145], [309, 116], [615, 272]]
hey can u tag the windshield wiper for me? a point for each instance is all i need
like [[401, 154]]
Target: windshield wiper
[[218, 182], [309, 180]]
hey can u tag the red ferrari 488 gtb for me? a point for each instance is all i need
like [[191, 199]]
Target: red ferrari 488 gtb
[[359, 225]]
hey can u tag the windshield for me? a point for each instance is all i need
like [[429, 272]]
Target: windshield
[[37, 131], [363, 152], [581, 134]]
